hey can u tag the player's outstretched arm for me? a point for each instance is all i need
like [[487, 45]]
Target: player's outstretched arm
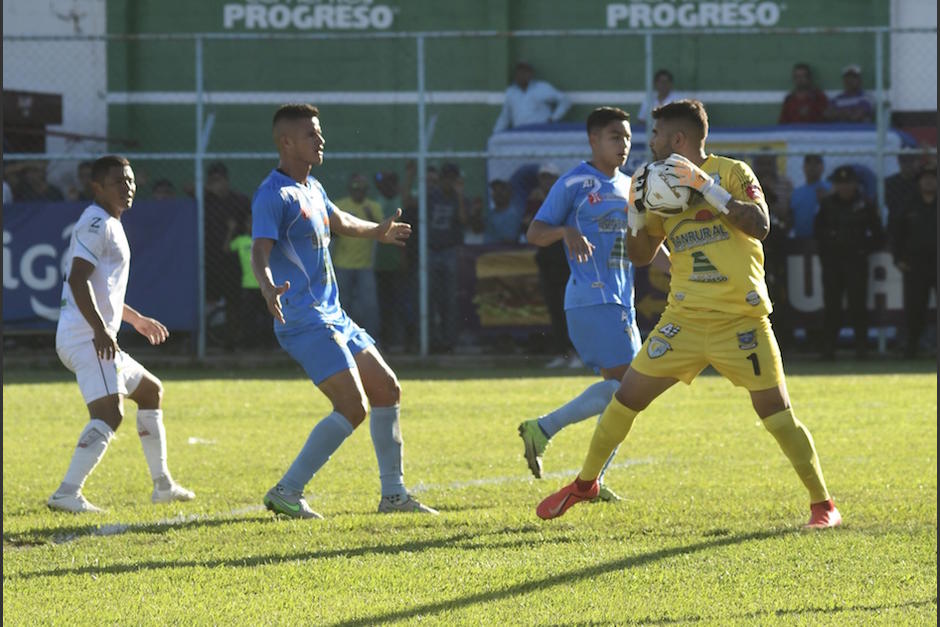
[[389, 231], [150, 328], [260, 256]]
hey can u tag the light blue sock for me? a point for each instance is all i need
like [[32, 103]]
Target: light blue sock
[[386, 438], [323, 441], [591, 402]]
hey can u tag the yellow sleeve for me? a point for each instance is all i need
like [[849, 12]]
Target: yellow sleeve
[[743, 185]]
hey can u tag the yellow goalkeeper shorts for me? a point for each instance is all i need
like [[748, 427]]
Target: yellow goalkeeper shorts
[[684, 341]]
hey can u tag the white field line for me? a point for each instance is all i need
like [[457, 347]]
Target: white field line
[[114, 529]]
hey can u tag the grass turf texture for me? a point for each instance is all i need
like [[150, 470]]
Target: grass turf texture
[[708, 532]]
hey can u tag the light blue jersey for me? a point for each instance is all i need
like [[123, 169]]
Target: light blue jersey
[[297, 217], [595, 204]]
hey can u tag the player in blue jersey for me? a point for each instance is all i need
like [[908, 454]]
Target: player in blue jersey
[[585, 209], [292, 219]]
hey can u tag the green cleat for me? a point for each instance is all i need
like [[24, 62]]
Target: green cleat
[[535, 444], [606, 495], [291, 504]]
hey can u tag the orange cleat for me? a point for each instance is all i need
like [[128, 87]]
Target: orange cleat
[[823, 515], [559, 502]]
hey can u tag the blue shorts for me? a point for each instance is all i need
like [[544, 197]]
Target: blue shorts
[[325, 348], [605, 336]]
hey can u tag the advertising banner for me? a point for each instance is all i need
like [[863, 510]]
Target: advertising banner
[[162, 283]]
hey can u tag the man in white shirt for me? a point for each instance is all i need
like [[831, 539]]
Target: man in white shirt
[[86, 341], [662, 84], [530, 101]]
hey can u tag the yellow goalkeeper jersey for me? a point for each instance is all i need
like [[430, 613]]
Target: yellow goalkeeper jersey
[[715, 266]]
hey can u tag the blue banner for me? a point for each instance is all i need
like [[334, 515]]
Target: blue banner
[[162, 282]]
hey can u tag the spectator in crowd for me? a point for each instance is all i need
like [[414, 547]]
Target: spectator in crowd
[[901, 187], [806, 103], [552, 263], [804, 202], [7, 193], [777, 190], [390, 270], [662, 84], [476, 221], [251, 325], [354, 257], [83, 190], [224, 208], [530, 101], [34, 187], [847, 230], [409, 192], [913, 237], [447, 219], [504, 219], [163, 189], [853, 104]]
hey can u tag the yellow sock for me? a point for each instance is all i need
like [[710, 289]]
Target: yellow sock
[[797, 444], [612, 428]]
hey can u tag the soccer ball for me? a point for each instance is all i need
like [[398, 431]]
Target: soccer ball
[[661, 195]]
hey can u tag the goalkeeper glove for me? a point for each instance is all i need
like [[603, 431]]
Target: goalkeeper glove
[[636, 210], [688, 174]]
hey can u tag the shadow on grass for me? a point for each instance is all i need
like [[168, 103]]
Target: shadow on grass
[[806, 612], [468, 540], [560, 579], [59, 535]]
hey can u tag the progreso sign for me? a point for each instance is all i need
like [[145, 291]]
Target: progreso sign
[[693, 14], [307, 15]]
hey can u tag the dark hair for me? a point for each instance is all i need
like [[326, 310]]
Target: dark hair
[[217, 167], [103, 165], [85, 164], [803, 66], [295, 111], [602, 116], [812, 158], [686, 110], [662, 72]]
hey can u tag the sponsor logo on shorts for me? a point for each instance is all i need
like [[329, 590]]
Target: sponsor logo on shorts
[[670, 330], [752, 298], [747, 339], [657, 347]]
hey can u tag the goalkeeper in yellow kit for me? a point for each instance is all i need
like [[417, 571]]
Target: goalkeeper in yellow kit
[[718, 306]]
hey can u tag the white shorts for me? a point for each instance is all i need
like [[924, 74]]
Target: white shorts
[[97, 377]]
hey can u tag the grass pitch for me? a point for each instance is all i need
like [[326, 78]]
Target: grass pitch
[[708, 532]]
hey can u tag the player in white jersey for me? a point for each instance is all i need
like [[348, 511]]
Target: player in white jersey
[[86, 340]]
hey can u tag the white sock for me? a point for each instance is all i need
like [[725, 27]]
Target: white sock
[[92, 444], [153, 440]]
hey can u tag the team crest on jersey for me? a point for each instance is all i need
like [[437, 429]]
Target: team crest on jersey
[[670, 330], [594, 198], [657, 347], [747, 339]]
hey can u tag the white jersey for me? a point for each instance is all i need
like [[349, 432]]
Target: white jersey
[[99, 239]]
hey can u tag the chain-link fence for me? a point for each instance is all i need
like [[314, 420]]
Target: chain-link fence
[[409, 122]]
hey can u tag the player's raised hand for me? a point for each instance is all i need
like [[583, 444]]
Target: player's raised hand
[[105, 345], [272, 297], [579, 248], [391, 232], [636, 209], [151, 329]]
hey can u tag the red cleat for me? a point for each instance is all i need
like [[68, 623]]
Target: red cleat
[[823, 515], [558, 503]]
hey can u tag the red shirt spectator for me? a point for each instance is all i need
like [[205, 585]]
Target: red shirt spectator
[[806, 103]]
